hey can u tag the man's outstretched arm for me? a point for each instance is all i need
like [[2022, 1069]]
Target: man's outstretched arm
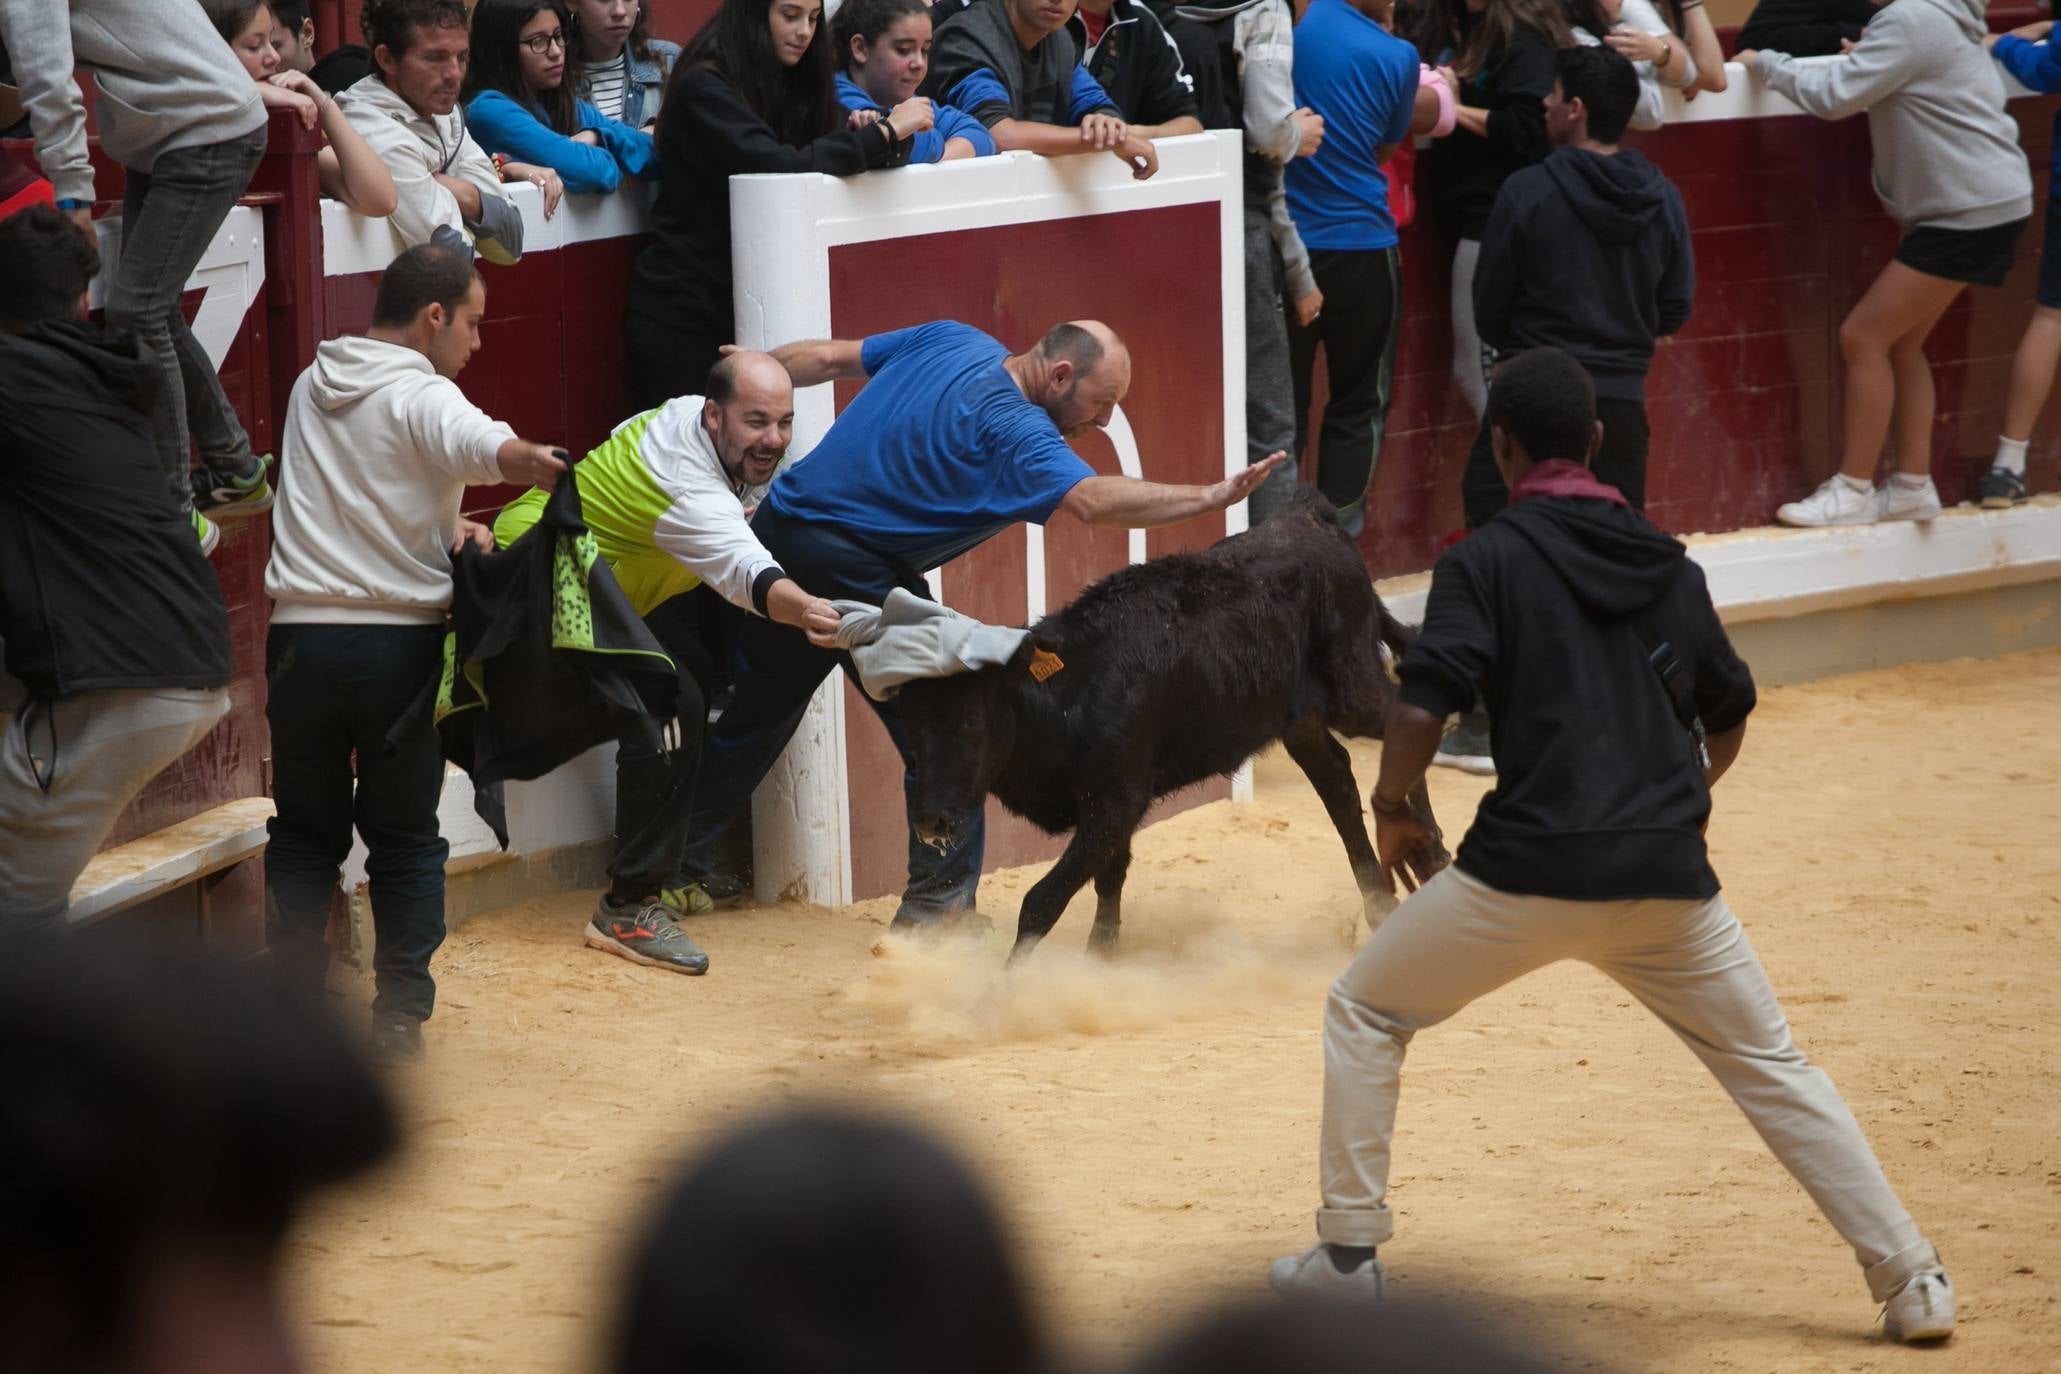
[[1130, 503]]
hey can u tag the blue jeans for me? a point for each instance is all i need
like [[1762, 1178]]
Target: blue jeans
[[336, 691], [170, 215], [778, 670]]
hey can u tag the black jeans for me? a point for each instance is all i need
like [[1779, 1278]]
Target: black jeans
[[667, 355], [778, 670], [334, 693], [654, 784], [1358, 327], [170, 215], [1620, 462]]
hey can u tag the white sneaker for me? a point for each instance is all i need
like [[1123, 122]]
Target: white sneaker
[[1311, 1274], [1921, 1310], [1835, 502], [1900, 502]]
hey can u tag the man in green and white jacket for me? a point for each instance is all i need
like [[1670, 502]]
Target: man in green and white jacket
[[668, 497]]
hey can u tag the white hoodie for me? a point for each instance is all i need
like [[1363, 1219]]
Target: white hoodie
[[376, 453], [416, 149]]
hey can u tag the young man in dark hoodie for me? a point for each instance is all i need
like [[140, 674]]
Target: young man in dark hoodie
[[1129, 52], [1012, 65], [112, 618], [1587, 251], [1615, 702]]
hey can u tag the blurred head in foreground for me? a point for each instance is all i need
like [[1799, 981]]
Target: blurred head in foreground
[[819, 1241], [163, 1118]]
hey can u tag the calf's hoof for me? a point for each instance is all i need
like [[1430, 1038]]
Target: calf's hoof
[[1102, 940], [1377, 906]]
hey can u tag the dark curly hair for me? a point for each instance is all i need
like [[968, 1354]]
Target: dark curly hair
[[46, 264], [393, 24], [1544, 400]]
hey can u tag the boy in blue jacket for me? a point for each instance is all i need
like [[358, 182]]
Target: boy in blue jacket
[[2028, 57]]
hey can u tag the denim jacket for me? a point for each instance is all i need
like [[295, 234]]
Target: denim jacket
[[646, 88]]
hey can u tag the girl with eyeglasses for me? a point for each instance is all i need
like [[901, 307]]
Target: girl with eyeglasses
[[520, 106]]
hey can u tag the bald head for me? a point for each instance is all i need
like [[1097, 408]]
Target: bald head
[[749, 415], [1087, 370]]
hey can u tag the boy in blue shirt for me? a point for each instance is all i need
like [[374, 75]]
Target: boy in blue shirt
[[1363, 81], [952, 440]]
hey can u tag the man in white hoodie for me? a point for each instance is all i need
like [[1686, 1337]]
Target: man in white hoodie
[[380, 443], [408, 111]]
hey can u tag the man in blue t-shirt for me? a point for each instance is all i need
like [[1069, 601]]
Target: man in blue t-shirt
[[1363, 81], [952, 440]]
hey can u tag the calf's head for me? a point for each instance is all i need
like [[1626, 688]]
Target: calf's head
[[962, 731]]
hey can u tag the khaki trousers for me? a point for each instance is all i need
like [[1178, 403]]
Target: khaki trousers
[[1689, 962]]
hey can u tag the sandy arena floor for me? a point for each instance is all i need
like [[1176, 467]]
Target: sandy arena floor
[[1888, 838]]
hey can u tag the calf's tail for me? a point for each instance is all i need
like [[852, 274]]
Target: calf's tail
[[1396, 637]]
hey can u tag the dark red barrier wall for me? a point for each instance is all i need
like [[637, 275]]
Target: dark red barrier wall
[[1168, 306], [1744, 403]]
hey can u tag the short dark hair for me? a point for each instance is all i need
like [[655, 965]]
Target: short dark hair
[[289, 14], [1544, 400], [232, 17], [46, 264], [427, 274], [394, 24], [1071, 344], [722, 380], [243, 1094], [1603, 80], [868, 19], [820, 1238]]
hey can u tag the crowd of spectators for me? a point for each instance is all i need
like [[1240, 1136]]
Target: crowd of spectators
[[1507, 117]]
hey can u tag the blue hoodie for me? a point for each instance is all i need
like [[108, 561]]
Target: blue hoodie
[[501, 125], [2038, 68], [928, 146]]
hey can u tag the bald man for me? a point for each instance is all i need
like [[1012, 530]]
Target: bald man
[[952, 440], [669, 498]]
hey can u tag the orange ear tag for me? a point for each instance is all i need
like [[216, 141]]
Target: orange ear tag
[[1044, 663]]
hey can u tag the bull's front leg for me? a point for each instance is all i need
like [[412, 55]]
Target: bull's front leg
[[1109, 895], [1103, 833]]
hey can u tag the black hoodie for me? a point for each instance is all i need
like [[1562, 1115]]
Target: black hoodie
[[1588, 252], [102, 583], [1548, 610]]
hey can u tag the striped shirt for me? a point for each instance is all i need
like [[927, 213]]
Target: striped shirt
[[606, 85]]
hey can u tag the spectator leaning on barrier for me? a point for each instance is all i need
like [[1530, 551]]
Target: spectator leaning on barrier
[[1596, 21], [1618, 705], [1012, 65], [2028, 55], [1805, 28], [408, 111], [1363, 81], [111, 617], [381, 444], [1949, 170], [1248, 70], [1587, 252], [1677, 40], [756, 91], [884, 47], [293, 35], [1499, 60], [520, 105], [952, 440], [668, 499], [1133, 58], [188, 128], [350, 171], [621, 70]]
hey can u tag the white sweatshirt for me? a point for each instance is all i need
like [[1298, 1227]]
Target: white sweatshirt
[[416, 149], [376, 453]]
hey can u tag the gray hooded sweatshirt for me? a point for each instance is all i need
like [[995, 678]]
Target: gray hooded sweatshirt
[[1946, 153], [166, 80]]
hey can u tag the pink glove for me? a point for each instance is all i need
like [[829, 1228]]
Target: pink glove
[[1427, 76]]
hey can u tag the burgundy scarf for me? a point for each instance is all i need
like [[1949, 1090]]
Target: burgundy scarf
[[1560, 477]]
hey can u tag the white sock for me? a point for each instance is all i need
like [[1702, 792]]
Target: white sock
[[1856, 483], [2011, 455], [1913, 481]]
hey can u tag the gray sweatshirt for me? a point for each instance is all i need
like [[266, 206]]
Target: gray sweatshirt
[[166, 78], [418, 148], [1946, 153]]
